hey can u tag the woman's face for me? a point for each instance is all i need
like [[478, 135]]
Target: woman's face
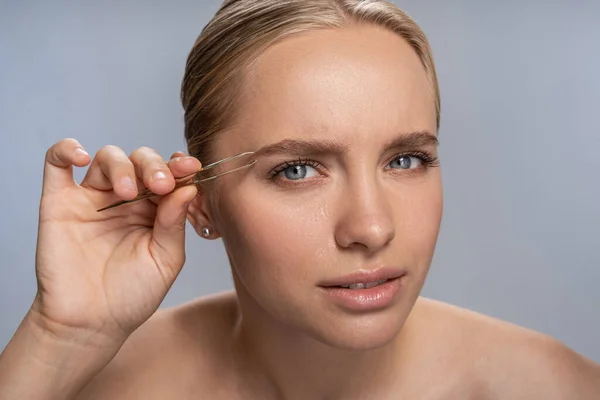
[[346, 182]]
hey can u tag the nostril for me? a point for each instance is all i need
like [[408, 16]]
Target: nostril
[[367, 233]]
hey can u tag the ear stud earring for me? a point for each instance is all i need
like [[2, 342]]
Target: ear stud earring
[[206, 231]]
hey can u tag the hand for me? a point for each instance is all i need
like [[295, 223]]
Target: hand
[[102, 274]]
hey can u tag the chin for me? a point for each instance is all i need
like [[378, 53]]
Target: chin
[[360, 332], [324, 322]]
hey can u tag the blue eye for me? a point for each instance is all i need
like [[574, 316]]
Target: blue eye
[[297, 172], [405, 162]]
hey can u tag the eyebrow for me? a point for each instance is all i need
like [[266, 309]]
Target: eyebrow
[[414, 140], [302, 147]]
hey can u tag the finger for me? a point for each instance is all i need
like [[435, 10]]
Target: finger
[[180, 166], [178, 154], [184, 165], [169, 228], [152, 170], [58, 165], [111, 169]]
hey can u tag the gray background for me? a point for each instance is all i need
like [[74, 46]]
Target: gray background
[[519, 142]]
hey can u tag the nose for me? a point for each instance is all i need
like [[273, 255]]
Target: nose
[[366, 221]]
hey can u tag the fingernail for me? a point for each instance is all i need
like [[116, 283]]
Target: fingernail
[[159, 175], [81, 152]]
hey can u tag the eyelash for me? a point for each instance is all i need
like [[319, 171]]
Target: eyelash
[[428, 160], [296, 163]]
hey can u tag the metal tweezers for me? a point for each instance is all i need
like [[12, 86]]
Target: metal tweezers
[[187, 180]]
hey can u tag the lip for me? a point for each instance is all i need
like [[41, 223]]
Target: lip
[[365, 300], [365, 276]]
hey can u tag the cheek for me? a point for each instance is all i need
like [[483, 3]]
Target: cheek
[[418, 216], [275, 237], [283, 239]]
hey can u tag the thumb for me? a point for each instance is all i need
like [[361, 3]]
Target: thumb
[[169, 228]]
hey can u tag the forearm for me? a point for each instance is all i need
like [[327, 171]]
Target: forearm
[[37, 364]]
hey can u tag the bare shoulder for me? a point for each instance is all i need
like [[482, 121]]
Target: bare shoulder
[[176, 353], [509, 361]]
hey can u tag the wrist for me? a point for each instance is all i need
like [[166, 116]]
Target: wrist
[[77, 337], [38, 363], [62, 347]]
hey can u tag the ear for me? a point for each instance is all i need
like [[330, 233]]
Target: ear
[[200, 217]]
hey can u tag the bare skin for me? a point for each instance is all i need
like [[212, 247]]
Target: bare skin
[[369, 198], [455, 354]]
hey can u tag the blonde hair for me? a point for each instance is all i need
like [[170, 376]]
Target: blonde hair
[[242, 29]]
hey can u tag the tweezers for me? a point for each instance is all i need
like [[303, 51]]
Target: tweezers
[[187, 180]]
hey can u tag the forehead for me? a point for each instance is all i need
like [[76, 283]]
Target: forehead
[[357, 82]]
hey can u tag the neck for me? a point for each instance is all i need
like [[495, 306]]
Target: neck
[[281, 362]]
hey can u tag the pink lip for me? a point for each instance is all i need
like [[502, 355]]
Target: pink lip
[[364, 300], [365, 276]]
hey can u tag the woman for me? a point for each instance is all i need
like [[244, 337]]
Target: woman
[[330, 236]]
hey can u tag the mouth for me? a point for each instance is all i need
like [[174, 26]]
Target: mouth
[[362, 285], [364, 279], [366, 290]]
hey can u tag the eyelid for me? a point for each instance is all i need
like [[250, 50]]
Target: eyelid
[[299, 161], [429, 159]]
